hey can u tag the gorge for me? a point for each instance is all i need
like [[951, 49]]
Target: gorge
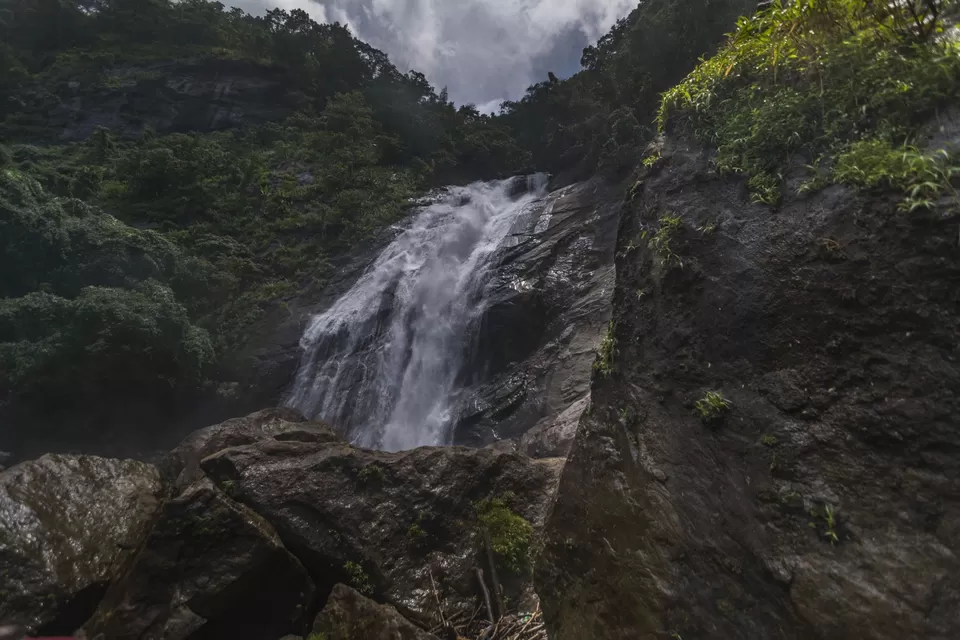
[[294, 348]]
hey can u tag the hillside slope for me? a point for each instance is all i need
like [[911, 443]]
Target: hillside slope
[[229, 164]]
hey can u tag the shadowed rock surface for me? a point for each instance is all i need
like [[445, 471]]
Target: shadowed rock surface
[[182, 465], [825, 503], [549, 306], [259, 519], [210, 568], [350, 616], [384, 522], [67, 524]]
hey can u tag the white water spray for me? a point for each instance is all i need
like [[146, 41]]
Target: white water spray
[[384, 360]]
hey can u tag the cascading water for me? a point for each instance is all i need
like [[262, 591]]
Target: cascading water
[[384, 360]]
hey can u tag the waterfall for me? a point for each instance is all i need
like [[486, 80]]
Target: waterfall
[[384, 361]]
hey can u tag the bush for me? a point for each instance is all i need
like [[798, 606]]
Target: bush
[[511, 536], [106, 340], [85, 311], [812, 78], [712, 406]]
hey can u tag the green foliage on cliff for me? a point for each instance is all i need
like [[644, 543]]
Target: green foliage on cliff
[[148, 255], [602, 117], [511, 536], [88, 306], [840, 85]]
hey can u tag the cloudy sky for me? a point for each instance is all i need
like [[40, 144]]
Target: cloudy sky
[[483, 51]]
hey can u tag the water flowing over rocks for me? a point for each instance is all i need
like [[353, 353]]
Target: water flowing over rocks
[[478, 322]]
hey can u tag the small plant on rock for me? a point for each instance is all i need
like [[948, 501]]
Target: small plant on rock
[[511, 536], [660, 242], [712, 406], [606, 352], [371, 474], [416, 532], [359, 579], [826, 523]]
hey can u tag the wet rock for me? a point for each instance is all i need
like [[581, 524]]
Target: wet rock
[[182, 465], [210, 568], [550, 305], [554, 438], [67, 524], [350, 616], [384, 522], [824, 504]]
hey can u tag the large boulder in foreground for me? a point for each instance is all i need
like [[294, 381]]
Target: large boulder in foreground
[[210, 568], [67, 524], [181, 466], [350, 616], [386, 522]]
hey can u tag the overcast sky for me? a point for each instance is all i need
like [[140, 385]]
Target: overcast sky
[[483, 51]]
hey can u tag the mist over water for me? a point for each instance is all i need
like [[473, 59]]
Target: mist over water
[[383, 362]]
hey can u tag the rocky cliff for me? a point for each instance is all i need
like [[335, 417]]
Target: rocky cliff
[[164, 96], [771, 452]]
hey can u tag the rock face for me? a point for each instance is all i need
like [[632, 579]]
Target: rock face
[[67, 524], [385, 522], [551, 300], [210, 568], [182, 465], [350, 616], [824, 503], [168, 96]]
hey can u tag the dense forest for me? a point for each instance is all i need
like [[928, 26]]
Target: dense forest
[[137, 254], [137, 257]]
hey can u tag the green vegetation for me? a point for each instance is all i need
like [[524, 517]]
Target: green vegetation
[[826, 524], [768, 440], [607, 351], [416, 532], [358, 578], [139, 259], [372, 474], [661, 241], [602, 117], [712, 406], [511, 536], [843, 86]]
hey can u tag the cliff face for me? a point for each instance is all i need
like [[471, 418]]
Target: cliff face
[[822, 502], [168, 96]]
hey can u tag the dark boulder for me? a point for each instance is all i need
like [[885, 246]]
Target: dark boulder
[[210, 568], [67, 525], [182, 465], [386, 523], [350, 616]]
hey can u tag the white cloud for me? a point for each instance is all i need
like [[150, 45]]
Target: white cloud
[[484, 51]]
